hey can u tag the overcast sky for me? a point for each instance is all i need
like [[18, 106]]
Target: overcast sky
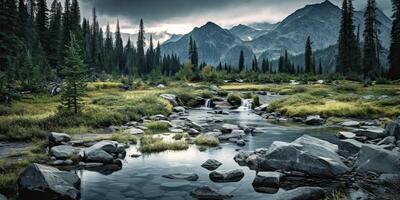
[[181, 16]]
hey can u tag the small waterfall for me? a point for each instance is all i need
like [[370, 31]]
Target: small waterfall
[[246, 105], [207, 104]]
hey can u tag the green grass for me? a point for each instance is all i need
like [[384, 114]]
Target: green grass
[[178, 136], [234, 99], [157, 127], [151, 144], [123, 137], [206, 141]]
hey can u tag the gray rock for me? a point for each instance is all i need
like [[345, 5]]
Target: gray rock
[[58, 138], [64, 151], [392, 179], [387, 140], [195, 126], [179, 109], [262, 107], [264, 181], [227, 176], [346, 135], [241, 157], [393, 129], [135, 131], [62, 162], [90, 165], [228, 128], [214, 88], [211, 164], [246, 128], [372, 158], [193, 132], [98, 155], [349, 147], [371, 132], [171, 98], [306, 139], [107, 146], [359, 194], [240, 143], [307, 155], [314, 120], [2, 197], [206, 193], [233, 134], [302, 193], [44, 182], [188, 177], [351, 124]]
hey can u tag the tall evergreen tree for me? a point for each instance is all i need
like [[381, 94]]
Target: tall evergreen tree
[[75, 20], [42, 23], [254, 64], [394, 58], [66, 23], [75, 77], [119, 49], [141, 60], [109, 51], [55, 34], [150, 55], [241, 61], [158, 55], [308, 56], [193, 55], [370, 60]]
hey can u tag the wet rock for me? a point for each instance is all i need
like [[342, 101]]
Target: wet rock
[[64, 151], [262, 107], [372, 158], [196, 126], [297, 119], [62, 162], [136, 155], [90, 165], [188, 177], [387, 140], [135, 131], [98, 155], [2, 197], [207, 193], [104, 152], [228, 128], [107, 168], [349, 147], [211, 164], [267, 182], [246, 128], [233, 134], [359, 194], [58, 138], [314, 120], [227, 176], [309, 155], [371, 132], [345, 135], [241, 157], [44, 182], [240, 143], [214, 88], [302, 193], [350, 124], [193, 132], [171, 98], [158, 117], [179, 109], [393, 129]]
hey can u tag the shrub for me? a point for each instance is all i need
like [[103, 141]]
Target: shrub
[[347, 87], [151, 144], [178, 136], [206, 141], [123, 137], [157, 126], [222, 93], [234, 99]]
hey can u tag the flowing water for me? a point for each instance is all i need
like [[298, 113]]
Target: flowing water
[[140, 178]]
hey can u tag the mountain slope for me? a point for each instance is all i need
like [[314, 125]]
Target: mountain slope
[[246, 33]]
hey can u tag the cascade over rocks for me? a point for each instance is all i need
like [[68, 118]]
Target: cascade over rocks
[[43, 182]]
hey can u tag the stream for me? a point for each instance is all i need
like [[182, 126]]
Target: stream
[[141, 178]]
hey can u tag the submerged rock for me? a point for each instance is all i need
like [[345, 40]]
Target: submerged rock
[[228, 128], [351, 124], [346, 135], [44, 182], [211, 164], [371, 132], [188, 177], [206, 193], [372, 158], [58, 138], [314, 120], [234, 134], [227, 176], [302, 193], [267, 182]]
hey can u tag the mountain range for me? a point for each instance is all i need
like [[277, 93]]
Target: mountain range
[[264, 40]]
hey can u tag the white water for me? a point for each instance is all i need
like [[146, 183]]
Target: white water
[[207, 104], [246, 105]]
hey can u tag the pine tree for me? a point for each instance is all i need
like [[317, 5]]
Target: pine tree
[[75, 20], [158, 55], [75, 78], [370, 61], [308, 56], [150, 55], [66, 23], [241, 61], [193, 54], [119, 50], [394, 58], [281, 64], [320, 70], [141, 60], [55, 35], [42, 23], [254, 65], [128, 58]]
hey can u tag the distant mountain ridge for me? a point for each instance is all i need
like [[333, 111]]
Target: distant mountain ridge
[[320, 21]]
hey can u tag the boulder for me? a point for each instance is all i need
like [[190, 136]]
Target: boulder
[[371, 132], [302, 193], [193, 132], [314, 120], [246, 128], [44, 182], [378, 160], [64, 151], [205, 192], [179, 109], [349, 147], [241, 157], [350, 124], [58, 138], [135, 131], [345, 135], [180, 176], [227, 176], [392, 179], [98, 155], [62, 162], [387, 140], [214, 88], [307, 155], [196, 126], [264, 181], [103, 152], [228, 128], [233, 134], [211, 164], [171, 98], [393, 129], [240, 143], [262, 107]]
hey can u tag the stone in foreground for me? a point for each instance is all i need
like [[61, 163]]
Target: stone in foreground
[[211, 164], [58, 138], [267, 182], [207, 193], [188, 177], [376, 159], [43, 182], [228, 176], [302, 193], [314, 120]]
